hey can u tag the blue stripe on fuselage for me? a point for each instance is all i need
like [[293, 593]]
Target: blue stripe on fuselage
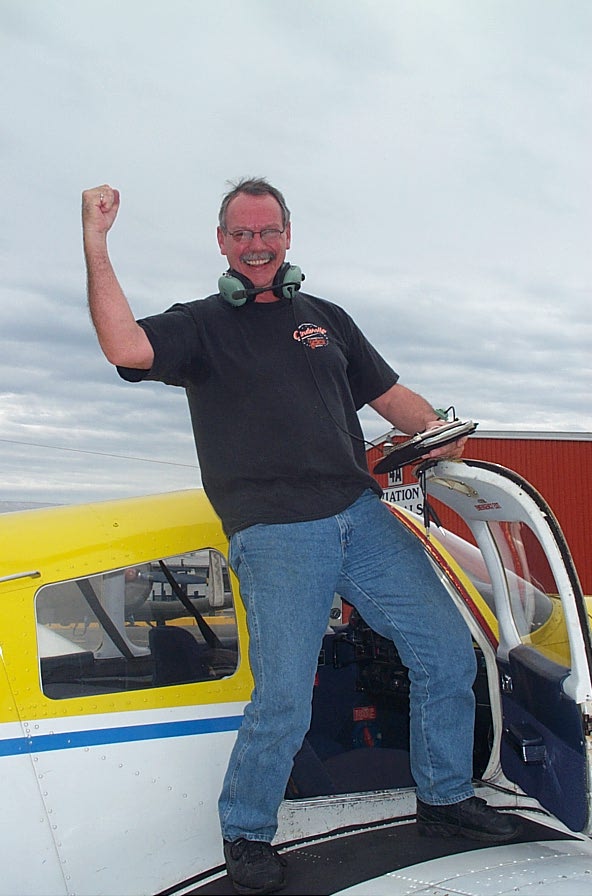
[[95, 737]]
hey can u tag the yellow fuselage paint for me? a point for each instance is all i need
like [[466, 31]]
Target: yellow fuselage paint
[[47, 546]]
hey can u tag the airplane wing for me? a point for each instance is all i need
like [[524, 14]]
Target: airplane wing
[[553, 867]]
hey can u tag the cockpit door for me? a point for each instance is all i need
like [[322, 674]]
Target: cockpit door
[[544, 654]]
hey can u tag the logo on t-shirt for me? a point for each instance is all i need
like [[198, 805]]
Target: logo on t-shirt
[[311, 335]]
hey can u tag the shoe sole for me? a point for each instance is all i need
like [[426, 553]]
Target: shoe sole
[[260, 891], [431, 829]]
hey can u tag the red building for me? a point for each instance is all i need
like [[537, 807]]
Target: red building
[[557, 464]]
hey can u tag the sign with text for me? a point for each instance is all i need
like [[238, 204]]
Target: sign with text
[[407, 495]]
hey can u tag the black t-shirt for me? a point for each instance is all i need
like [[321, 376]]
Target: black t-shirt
[[273, 391]]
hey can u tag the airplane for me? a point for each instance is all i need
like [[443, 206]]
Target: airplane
[[117, 717]]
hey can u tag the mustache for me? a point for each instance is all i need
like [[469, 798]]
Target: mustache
[[266, 255]]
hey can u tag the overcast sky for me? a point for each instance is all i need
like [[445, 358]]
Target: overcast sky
[[436, 157]]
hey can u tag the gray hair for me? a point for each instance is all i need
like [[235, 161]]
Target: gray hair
[[252, 186]]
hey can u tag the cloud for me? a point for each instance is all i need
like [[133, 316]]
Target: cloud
[[435, 156]]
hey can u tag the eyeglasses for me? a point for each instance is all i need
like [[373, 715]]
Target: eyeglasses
[[269, 235]]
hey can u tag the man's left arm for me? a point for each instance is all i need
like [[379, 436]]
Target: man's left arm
[[411, 413]]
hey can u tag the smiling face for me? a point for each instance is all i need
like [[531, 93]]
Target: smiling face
[[257, 259]]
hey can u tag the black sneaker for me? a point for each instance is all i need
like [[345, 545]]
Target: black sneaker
[[254, 866], [471, 818]]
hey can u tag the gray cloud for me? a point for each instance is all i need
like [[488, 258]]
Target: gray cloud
[[435, 156]]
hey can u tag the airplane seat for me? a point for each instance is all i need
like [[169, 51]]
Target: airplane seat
[[343, 750], [353, 771], [334, 696], [370, 768], [178, 658], [65, 674]]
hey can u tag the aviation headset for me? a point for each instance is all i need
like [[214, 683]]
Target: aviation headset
[[237, 289]]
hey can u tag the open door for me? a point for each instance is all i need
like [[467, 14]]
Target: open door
[[544, 654]]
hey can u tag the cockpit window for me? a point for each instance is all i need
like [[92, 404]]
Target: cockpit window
[[167, 622], [530, 595], [534, 600]]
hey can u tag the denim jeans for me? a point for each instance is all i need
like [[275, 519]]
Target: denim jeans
[[289, 574]]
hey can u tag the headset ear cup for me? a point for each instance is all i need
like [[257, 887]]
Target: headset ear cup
[[232, 286], [232, 282], [287, 281]]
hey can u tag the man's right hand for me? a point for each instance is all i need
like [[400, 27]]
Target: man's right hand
[[99, 210], [121, 338]]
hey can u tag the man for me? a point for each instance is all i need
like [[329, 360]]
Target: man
[[274, 379]]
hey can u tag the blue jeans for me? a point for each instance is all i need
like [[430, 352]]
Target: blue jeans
[[288, 576]]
